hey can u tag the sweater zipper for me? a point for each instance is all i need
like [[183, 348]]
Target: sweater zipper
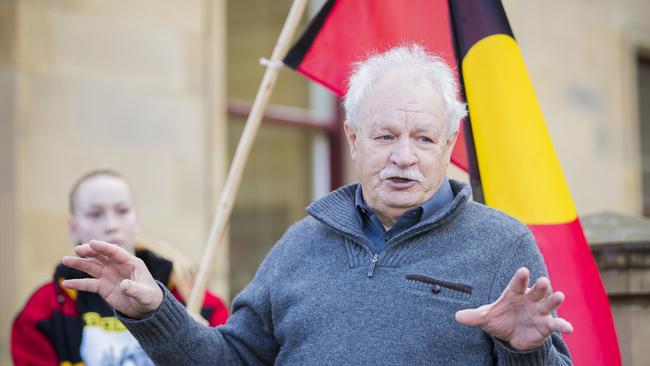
[[375, 257], [398, 239], [373, 263]]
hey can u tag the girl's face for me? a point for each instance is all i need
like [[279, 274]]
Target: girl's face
[[104, 210]]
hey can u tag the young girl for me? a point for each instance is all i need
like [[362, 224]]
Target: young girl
[[59, 326]]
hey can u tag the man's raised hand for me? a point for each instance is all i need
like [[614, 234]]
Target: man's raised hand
[[521, 316], [121, 278]]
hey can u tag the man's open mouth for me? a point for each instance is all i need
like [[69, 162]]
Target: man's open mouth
[[400, 180]]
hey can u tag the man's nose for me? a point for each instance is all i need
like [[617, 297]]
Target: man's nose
[[404, 154]]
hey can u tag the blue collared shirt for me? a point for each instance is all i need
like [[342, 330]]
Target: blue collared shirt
[[376, 232]]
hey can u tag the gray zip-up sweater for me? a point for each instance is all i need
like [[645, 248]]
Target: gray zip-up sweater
[[323, 296]]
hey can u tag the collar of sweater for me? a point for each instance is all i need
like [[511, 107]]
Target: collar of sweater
[[337, 211]]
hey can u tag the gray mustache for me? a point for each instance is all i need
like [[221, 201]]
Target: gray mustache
[[393, 172]]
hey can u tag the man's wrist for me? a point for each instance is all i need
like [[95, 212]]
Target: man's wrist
[[534, 348], [521, 348]]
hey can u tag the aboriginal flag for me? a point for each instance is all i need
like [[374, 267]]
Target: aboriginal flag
[[507, 150]]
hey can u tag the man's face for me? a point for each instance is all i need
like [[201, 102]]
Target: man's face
[[401, 148], [104, 210]]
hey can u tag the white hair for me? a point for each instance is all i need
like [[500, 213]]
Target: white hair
[[414, 58]]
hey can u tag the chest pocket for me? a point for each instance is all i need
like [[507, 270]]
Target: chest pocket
[[438, 288]]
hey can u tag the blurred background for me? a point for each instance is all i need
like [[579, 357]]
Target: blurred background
[[160, 90]]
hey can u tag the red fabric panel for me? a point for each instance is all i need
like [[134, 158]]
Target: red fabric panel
[[573, 271], [30, 346], [355, 29], [459, 153], [220, 313]]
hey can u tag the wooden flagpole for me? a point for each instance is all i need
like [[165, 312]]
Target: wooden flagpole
[[227, 200]]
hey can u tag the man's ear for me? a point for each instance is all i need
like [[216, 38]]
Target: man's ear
[[451, 141], [351, 136]]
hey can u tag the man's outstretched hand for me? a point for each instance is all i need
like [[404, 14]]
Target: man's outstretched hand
[[121, 278], [521, 316]]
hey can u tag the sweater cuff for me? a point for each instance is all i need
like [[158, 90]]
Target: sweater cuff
[[159, 326], [510, 356]]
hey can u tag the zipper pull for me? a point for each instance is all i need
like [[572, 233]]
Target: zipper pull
[[373, 262]]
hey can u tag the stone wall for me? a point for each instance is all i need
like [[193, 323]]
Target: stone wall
[[625, 271], [8, 250]]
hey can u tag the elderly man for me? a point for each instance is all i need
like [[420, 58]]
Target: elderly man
[[397, 269]]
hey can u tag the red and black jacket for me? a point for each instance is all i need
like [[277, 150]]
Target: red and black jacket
[[49, 328]]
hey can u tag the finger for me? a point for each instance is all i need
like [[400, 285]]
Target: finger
[[89, 266], [540, 290], [113, 252], [138, 292], [82, 284], [86, 251], [131, 289], [560, 325], [551, 303], [519, 282], [472, 317]]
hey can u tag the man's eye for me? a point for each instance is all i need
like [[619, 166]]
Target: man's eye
[[384, 138], [425, 139], [123, 211]]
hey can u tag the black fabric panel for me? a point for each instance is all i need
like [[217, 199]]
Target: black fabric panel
[[65, 334], [160, 268], [299, 50], [472, 161], [473, 20], [206, 312], [67, 273], [474, 171]]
